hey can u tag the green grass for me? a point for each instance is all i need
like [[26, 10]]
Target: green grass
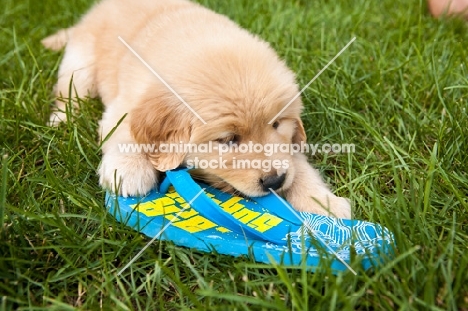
[[399, 93]]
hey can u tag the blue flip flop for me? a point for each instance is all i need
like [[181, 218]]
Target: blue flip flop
[[198, 216]]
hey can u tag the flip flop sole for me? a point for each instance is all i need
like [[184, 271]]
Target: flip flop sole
[[192, 230], [167, 216]]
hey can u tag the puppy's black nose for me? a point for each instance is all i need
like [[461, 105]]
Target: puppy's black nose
[[273, 181]]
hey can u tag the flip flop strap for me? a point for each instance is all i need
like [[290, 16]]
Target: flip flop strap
[[192, 192], [278, 207], [271, 202]]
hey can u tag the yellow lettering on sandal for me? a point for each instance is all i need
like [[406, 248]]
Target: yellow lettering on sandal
[[192, 222], [265, 222], [251, 218], [245, 215], [231, 206], [188, 213], [173, 194], [158, 207], [184, 215], [195, 224]]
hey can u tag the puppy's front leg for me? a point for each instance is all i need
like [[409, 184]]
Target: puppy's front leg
[[124, 168], [309, 193]]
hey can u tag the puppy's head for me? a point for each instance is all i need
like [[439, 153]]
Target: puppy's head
[[248, 102]]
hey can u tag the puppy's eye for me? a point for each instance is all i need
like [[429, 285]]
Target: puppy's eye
[[231, 139], [275, 124]]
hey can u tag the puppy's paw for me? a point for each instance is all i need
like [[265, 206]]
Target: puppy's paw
[[129, 175], [340, 208], [328, 205]]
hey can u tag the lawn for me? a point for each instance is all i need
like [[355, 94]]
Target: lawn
[[399, 93]]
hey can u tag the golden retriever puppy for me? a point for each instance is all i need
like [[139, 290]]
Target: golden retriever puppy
[[174, 72]]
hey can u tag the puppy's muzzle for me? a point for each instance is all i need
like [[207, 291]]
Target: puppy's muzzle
[[272, 182]]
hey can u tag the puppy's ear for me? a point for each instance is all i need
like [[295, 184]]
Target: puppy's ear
[[159, 124], [299, 134]]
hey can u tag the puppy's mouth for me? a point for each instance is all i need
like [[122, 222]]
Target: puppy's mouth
[[228, 188], [221, 185], [224, 186]]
